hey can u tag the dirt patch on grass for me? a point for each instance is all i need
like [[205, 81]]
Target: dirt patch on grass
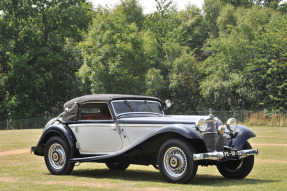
[[83, 184], [271, 137], [269, 145], [101, 185], [8, 179], [15, 152], [270, 161]]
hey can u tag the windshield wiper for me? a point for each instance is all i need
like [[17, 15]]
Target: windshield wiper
[[129, 104]]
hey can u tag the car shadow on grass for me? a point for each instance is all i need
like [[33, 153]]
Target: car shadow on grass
[[218, 180], [155, 176], [129, 174]]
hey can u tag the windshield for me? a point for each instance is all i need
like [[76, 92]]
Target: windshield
[[136, 106]]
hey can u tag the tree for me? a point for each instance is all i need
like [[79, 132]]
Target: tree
[[239, 3], [133, 12], [211, 10], [114, 55], [184, 81], [270, 64], [193, 29], [38, 70], [244, 66]]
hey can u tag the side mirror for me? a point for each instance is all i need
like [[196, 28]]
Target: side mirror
[[167, 103]]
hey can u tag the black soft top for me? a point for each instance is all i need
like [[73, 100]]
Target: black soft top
[[72, 115], [106, 98]]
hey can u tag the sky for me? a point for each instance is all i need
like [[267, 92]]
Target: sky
[[149, 6]]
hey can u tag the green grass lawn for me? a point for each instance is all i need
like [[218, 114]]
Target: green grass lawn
[[19, 170]]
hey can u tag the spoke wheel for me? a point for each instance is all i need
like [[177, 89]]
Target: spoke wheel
[[175, 161], [57, 156], [237, 169]]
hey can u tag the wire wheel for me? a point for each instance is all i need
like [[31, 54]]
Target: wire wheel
[[57, 156], [175, 162]]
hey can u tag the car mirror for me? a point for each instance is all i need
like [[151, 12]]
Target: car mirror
[[167, 103]]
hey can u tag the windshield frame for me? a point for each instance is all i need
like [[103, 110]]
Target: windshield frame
[[136, 112]]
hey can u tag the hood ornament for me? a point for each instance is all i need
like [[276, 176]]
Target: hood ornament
[[210, 113]]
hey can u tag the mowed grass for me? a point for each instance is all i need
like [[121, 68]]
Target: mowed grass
[[19, 170]]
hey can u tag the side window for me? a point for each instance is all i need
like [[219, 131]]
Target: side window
[[95, 111]]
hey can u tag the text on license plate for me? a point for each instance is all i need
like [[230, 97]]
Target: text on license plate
[[232, 153]]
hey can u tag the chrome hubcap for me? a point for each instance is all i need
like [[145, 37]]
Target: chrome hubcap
[[57, 156], [175, 162]]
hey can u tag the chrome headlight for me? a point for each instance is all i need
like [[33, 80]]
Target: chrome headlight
[[232, 124], [201, 125], [221, 129]]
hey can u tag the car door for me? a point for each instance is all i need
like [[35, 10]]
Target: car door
[[96, 131]]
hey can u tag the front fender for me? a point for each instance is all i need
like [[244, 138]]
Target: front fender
[[55, 130], [184, 130], [153, 142], [244, 133]]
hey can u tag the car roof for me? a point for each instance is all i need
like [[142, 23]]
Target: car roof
[[106, 98]]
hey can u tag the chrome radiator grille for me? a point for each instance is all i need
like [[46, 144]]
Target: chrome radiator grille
[[213, 140]]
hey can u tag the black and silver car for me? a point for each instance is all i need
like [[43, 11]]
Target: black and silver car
[[120, 130]]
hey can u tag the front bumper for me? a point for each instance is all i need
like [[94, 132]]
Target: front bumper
[[32, 149], [220, 155]]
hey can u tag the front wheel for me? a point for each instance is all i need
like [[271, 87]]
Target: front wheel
[[57, 156], [237, 169], [175, 161]]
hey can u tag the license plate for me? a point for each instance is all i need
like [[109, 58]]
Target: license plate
[[233, 153]]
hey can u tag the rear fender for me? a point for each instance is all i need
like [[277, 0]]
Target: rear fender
[[55, 130], [243, 135]]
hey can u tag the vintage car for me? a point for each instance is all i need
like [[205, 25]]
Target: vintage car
[[120, 130]]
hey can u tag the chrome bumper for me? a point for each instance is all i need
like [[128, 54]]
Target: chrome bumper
[[220, 155]]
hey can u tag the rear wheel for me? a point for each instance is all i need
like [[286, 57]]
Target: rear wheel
[[117, 166], [175, 161], [237, 169], [57, 156]]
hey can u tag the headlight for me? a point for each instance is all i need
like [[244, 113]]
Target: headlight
[[221, 129], [231, 124], [201, 124]]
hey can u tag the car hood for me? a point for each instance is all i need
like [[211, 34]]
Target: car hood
[[166, 119]]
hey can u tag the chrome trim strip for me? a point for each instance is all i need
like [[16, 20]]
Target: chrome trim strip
[[219, 155]]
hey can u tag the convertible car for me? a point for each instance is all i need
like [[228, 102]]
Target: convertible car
[[120, 130]]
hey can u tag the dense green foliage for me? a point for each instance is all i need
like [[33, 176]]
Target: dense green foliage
[[230, 55], [38, 64]]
